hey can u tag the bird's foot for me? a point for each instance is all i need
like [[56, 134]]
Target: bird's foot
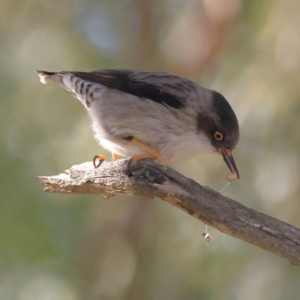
[[136, 158], [98, 160], [150, 153]]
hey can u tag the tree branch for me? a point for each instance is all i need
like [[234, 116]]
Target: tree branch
[[150, 179]]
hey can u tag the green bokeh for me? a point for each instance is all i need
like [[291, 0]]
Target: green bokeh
[[82, 247]]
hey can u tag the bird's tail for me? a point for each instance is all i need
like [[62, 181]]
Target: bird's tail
[[52, 78]]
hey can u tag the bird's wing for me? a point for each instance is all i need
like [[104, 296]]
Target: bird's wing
[[145, 85]]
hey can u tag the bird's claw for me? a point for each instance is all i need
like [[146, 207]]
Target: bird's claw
[[99, 159], [128, 166]]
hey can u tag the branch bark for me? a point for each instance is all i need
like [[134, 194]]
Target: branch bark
[[150, 179]]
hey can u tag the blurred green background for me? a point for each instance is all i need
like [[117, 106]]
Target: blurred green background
[[62, 247]]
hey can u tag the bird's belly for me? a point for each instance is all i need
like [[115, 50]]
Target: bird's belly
[[172, 149]]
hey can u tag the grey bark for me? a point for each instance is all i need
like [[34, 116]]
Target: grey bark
[[150, 179]]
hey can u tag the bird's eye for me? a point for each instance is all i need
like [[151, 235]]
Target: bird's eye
[[218, 136]]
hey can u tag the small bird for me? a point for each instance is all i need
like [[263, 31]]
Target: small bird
[[153, 115]]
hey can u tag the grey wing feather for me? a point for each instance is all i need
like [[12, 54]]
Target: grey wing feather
[[144, 87]]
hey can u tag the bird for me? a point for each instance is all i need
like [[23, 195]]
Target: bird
[[152, 114]]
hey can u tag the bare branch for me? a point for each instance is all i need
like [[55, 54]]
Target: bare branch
[[150, 179]]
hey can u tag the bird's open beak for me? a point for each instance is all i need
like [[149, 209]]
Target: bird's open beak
[[228, 158]]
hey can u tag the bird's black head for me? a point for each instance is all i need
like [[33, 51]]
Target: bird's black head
[[221, 126]]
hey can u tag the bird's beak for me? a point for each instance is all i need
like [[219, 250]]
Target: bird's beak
[[228, 158]]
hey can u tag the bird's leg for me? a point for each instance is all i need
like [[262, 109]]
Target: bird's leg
[[151, 153], [114, 156]]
